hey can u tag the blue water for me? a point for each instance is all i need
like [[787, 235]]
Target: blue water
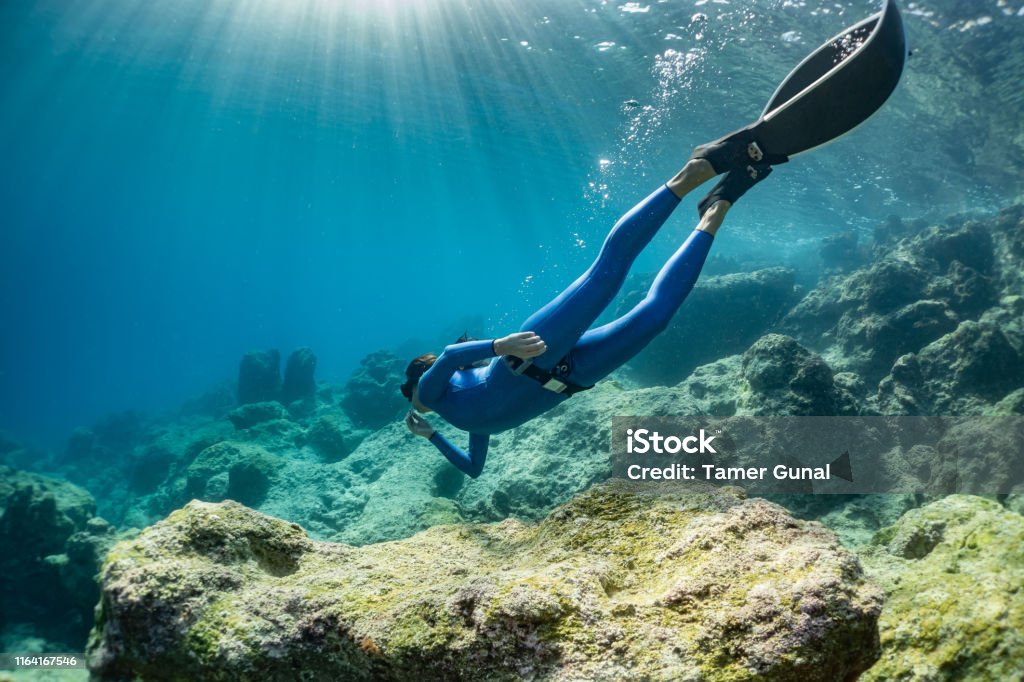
[[183, 182]]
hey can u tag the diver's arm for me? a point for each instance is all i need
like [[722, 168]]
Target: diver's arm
[[434, 381], [471, 463]]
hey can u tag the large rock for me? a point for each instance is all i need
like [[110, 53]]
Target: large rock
[[626, 581], [231, 470], [121, 465], [721, 316], [53, 545], [259, 376], [920, 289], [964, 372], [953, 572], [249, 415], [333, 436], [299, 376], [371, 398], [782, 377]]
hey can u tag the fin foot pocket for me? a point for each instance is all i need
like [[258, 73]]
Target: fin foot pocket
[[736, 151], [733, 185]]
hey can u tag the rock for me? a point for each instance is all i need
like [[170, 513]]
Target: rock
[[968, 291], [231, 470], [299, 382], [1012, 404], [784, 378], [53, 545], [840, 251], [854, 518], [334, 436], [887, 285], [963, 372], [371, 398], [251, 414], [969, 244], [123, 473], [952, 571], [259, 377], [626, 581], [924, 285], [1008, 232], [149, 467], [892, 230], [19, 455], [121, 431], [721, 316]]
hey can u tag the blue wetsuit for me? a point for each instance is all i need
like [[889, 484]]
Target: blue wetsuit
[[491, 399]]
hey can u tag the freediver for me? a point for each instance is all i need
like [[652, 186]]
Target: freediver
[[555, 354]]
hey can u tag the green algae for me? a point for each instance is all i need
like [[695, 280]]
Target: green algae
[[955, 604], [587, 590]]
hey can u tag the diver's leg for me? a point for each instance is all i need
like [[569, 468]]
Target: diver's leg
[[602, 350], [564, 320]]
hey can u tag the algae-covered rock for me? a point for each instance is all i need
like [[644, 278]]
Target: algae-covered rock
[[231, 470], [334, 436], [920, 288], [251, 414], [964, 372], [52, 544], [784, 378], [371, 398], [627, 581], [953, 572]]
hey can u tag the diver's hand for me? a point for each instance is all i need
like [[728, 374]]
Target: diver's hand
[[418, 425], [523, 345]]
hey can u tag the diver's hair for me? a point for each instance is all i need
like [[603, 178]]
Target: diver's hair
[[414, 371]]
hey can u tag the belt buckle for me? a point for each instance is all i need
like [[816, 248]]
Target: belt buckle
[[518, 368], [555, 385]]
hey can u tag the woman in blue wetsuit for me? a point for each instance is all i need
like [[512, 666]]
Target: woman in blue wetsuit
[[554, 354]]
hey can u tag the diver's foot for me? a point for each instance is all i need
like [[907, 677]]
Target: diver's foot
[[695, 173], [733, 185], [730, 152]]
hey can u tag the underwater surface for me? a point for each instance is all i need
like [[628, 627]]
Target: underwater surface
[[186, 184]]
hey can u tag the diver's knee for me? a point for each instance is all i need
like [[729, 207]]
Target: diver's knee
[[657, 323]]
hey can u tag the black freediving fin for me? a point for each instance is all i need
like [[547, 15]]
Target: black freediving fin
[[835, 89]]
